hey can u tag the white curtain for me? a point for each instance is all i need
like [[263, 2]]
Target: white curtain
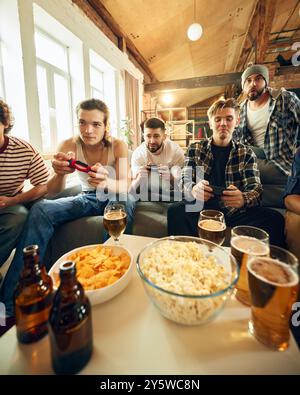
[[132, 106]]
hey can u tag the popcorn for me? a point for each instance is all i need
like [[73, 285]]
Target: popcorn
[[183, 268]]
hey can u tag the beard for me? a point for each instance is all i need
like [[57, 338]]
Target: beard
[[255, 94], [154, 148]]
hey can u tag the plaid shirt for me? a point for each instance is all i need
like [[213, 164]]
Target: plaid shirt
[[241, 171], [283, 132], [293, 183]]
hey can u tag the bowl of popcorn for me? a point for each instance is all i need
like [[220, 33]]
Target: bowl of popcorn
[[187, 279], [103, 271]]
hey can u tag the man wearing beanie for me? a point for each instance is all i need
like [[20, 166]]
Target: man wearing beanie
[[270, 123]]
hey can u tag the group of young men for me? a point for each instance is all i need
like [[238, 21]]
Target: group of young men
[[264, 128]]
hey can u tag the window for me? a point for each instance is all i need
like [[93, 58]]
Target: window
[[103, 85], [97, 84], [54, 90], [2, 86]]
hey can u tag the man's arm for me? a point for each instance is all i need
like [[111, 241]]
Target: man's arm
[[61, 167], [178, 158], [137, 161], [251, 184], [188, 179], [100, 177], [292, 203], [32, 194], [294, 108]]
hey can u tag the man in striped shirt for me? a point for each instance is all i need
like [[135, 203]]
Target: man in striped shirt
[[19, 161]]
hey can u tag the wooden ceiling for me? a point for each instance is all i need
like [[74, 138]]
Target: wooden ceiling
[[234, 33]]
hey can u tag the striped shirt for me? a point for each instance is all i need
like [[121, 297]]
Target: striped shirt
[[241, 171], [19, 161], [282, 136]]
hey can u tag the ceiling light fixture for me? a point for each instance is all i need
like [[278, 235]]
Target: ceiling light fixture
[[194, 31], [167, 98]]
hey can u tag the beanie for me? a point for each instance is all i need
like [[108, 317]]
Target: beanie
[[255, 69]]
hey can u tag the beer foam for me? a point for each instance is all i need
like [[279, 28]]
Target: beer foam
[[249, 245], [273, 272], [211, 225], [115, 215]]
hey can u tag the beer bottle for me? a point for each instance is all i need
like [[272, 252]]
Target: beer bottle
[[70, 324], [32, 298]]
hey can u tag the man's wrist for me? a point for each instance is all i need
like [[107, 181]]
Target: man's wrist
[[14, 200]]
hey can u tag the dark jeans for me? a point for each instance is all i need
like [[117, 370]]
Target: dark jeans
[[184, 223]]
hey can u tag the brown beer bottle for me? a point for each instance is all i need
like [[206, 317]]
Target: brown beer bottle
[[33, 298], [70, 324]]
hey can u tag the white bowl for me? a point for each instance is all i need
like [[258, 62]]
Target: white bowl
[[104, 294]]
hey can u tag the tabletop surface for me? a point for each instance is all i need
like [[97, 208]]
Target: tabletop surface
[[131, 337]]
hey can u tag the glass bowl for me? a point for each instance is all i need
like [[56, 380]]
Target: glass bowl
[[187, 279]]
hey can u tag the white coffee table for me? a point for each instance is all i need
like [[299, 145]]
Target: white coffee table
[[131, 337]]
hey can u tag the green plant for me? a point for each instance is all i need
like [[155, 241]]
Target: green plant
[[127, 131]]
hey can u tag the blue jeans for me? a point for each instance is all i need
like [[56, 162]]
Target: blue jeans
[[44, 217]]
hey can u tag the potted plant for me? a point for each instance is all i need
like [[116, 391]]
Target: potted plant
[[127, 131]]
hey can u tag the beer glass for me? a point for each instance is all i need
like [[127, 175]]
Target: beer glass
[[211, 226], [115, 220], [273, 285], [247, 241]]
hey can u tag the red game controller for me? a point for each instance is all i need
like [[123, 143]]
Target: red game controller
[[80, 166]]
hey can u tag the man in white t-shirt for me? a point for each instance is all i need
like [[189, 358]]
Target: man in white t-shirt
[[157, 154]]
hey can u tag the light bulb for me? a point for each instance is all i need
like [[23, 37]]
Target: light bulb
[[194, 31], [167, 98]]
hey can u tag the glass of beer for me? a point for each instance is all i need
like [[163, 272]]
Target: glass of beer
[[273, 284], [211, 226], [115, 220], [247, 241]]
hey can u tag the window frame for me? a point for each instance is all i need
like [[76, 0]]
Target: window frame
[[51, 70], [2, 79], [93, 87]]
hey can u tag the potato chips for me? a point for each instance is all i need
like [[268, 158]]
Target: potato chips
[[98, 267]]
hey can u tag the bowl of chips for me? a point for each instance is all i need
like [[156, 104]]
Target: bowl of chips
[[104, 271]]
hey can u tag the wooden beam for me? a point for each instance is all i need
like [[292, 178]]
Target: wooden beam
[[94, 17], [249, 42], [266, 17], [117, 30], [283, 45], [99, 15], [288, 70], [197, 82]]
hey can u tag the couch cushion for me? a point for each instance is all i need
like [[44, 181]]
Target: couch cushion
[[150, 220]]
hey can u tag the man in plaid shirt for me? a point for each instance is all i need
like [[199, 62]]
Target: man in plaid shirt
[[269, 122], [228, 164]]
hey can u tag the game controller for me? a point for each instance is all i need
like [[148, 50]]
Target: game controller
[[217, 190], [152, 167], [80, 166]]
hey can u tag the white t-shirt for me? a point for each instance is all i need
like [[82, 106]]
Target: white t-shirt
[[171, 155], [257, 121]]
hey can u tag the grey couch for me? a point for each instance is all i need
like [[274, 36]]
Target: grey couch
[[150, 220]]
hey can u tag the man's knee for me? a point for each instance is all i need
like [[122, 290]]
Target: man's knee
[[176, 210], [38, 209], [18, 220]]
